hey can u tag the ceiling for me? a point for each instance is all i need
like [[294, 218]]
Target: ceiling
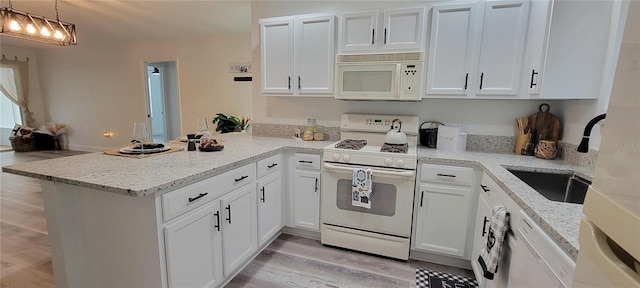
[[142, 20]]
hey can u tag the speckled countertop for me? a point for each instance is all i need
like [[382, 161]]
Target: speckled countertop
[[145, 176], [560, 220]]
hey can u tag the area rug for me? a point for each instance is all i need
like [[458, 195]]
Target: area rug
[[433, 279]]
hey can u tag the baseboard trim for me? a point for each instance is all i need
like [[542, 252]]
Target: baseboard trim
[[440, 259], [301, 232]]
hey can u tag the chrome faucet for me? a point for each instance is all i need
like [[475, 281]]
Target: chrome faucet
[[584, 144]]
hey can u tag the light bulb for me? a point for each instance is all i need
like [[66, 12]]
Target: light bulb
[[45, 32], [58, 34], [31, 29], [14, 25]]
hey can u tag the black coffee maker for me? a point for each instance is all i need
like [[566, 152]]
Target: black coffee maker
[[429, 133]]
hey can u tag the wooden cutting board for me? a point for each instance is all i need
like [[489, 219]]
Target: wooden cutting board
[[543, 125]]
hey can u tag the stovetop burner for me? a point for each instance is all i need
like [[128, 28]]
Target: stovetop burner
[[395, 148], [351, 144]]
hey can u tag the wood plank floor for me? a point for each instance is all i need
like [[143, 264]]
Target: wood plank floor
[[290, 261]]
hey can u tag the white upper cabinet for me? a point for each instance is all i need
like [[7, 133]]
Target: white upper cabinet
[[403, 29], [451, 49], [502, 47], [276, 43], [314, 54], [379, 31], [537, 35], [297, 55], [477, 48], [358, 31], [581, 54]]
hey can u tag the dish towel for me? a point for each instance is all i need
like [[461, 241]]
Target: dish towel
[[361, 187], [490, 255]]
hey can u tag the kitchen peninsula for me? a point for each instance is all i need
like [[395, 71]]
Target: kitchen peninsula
[[107, 217]]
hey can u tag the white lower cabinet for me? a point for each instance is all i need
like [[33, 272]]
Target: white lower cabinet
[[269, 207], [442, 217], [490, 195], [480, 236], [194, 249], [307, 199], [306, 191], [239, 225], [442, 210]]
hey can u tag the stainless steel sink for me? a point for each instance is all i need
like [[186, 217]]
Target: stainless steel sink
[[558, 187]]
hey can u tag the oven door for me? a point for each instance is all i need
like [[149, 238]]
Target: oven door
[[391, 200]]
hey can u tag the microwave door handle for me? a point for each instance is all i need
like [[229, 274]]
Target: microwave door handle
[[384, 173]]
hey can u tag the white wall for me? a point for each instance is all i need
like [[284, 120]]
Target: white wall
[[489, 117], [94, 87]]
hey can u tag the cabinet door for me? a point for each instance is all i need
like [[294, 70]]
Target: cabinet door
[[314, 54], [358, 31], [239, 227], [502, 48], [480, 236], [442, 219], [269, 207], [536, 48], [307, 199], [451, 49], [403, 29], [276, 44], [193, 249]]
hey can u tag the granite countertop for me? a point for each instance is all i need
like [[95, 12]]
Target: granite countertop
[[560, 220], [145, 176]]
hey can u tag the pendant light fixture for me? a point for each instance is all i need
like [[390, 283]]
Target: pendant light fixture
[[155, 71], [38, 28]]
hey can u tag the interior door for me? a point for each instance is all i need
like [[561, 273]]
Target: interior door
[[156, 103]]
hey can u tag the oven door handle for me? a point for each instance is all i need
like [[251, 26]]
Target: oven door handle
[[385, 173]]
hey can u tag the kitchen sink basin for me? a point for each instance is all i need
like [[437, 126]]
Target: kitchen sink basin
[[555, 186]]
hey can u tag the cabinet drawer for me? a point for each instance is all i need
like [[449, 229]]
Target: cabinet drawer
[[176, 202], [447, 174], [266, 166], [238, 177], [189, 197], [307, 161]]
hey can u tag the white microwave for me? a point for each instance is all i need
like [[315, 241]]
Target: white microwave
[[392, 76]]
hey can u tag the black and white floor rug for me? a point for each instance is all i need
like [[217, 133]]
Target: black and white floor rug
[[432, 279]]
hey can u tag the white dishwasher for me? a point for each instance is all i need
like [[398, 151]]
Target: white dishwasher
[[538, 261]]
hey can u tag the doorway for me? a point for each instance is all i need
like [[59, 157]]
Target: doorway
[[163, 109]]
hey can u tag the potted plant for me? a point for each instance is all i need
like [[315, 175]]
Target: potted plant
[[226, 124], [244, 123]]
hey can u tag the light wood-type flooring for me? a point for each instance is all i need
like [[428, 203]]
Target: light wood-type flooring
[[290, 261]]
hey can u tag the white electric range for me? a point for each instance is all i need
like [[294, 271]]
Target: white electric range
[[384, 228]]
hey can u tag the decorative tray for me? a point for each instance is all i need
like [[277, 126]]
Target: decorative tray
[[211, 148], [148, 149]]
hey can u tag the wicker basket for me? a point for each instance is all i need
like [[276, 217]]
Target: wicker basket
[[20, 144], [546, 149]]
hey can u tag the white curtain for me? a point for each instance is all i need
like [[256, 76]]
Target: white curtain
[[14, 85]]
